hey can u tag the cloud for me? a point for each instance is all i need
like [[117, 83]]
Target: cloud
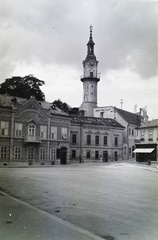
[[48, 39], [56, 31], [127, 85], [130, 29]]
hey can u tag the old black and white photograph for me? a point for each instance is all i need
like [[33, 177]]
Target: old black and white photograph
[[79, 120]]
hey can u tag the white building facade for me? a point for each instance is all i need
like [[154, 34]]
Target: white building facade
[[127, 119]]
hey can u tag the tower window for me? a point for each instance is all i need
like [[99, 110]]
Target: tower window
[[91, 74]]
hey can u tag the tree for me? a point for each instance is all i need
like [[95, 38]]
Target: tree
[[62, 105], [24, 87]]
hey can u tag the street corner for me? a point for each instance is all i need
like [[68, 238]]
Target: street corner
[[20, 220]]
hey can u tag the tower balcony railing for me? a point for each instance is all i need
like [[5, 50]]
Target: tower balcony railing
[[90, 76]]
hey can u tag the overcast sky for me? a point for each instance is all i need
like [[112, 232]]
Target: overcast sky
[[47, 38]]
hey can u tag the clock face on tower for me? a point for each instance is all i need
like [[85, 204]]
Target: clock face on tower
[[91, 62]]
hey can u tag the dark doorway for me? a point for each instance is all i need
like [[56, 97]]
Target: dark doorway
[[63, 155], [105, 156]]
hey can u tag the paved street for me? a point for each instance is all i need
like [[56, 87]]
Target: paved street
[[113, 201]]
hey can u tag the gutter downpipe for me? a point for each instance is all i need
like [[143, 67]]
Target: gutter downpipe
[[80, 160], [128, 140]]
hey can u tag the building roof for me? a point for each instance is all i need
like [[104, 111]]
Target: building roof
[[129, 117], [152, 123], [12, 101], [96, 121], [52, 108], [8, 100]]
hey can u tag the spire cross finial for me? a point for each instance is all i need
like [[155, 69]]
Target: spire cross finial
[[91, 28]]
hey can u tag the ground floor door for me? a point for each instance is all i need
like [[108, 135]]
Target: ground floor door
[[30, 155], [63, 155], [105, 156]]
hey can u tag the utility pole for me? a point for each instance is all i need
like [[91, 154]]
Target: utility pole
[[121, 103]]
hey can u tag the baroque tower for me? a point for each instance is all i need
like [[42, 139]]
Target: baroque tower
[[90, 79]]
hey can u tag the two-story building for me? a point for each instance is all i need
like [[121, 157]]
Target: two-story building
[[33, 132], [39, 133], [96, 139], [129, 120], [147, 141]]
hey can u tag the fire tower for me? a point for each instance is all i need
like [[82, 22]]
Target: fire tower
[[90, 79]]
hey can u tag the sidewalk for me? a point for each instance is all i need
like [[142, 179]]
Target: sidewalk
[[21, 221]]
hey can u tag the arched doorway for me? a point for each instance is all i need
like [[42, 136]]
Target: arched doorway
[[63, 155]]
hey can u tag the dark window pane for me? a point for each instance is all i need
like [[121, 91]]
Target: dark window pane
[[97, 140], [88, 139], [105, 140], [74, 138]]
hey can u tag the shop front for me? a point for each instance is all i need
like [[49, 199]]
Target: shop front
[[146, 152]]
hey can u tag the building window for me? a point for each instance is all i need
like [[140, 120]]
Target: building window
[[53, 153], [96, 154], [116, 156], [17, 153], [53, 132], [43, 131], [101, 114], [125, 150], [88, 139], [105, 140], [97, 140], [142, 135], [74, 154], [3, 153], [129, 131], [88, 154], [64, 133], [132, 132], [91, 74], [132, 151], [116, 141], [150, 135], [30, 153], [42, 154], [31, 130], [18, 129], [74, 138], [4, 128]]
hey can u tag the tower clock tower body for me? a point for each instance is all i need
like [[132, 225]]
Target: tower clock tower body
[[90, 79]]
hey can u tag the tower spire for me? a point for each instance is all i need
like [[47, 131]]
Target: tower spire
[[90, 44], [91, 29]]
